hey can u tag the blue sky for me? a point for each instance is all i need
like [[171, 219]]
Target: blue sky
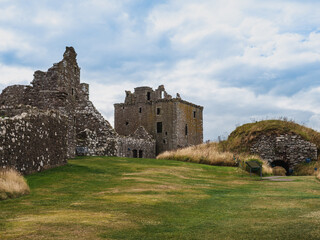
[[243, 60]]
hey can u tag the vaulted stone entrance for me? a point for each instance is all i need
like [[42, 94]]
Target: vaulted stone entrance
[[284, 150]]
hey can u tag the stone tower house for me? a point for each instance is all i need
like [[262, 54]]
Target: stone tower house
[[173, 122]]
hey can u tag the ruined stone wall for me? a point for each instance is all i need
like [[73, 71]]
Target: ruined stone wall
[[33, 141], [140, 144], [128, 145], [291, 149], [59, 89], [95, 136]]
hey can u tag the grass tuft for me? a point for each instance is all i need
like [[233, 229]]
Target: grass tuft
[[12, 184], [279, 171]]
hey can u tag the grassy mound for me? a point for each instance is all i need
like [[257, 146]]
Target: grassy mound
[[242, 137], [12, 184]]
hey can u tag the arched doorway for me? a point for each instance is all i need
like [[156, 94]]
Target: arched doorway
[[281, 163]]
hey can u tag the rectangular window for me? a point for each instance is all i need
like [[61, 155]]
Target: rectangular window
[[159, 127], [158, 111], [194, 114], [148, 96], [140, 110], [186, 130]]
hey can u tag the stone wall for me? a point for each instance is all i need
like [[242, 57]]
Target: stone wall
[[33, 141], [140, 144], [291, 149]]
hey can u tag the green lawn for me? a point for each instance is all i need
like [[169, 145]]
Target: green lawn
[[119, 198]]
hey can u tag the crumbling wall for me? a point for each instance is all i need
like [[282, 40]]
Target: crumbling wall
[[33, 141], [95, 136], [291, 149], [140, 144]]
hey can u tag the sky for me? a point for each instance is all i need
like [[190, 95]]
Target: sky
[[243, 60]]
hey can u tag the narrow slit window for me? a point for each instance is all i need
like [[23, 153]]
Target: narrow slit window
[[140, 110], [148, 96], [194, 114], [158, 111], [186, 130], [127, 123], [140, 154], [134, 153], [159, 127]]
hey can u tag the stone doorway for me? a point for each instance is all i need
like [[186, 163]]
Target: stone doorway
[[134, 153], [283, 164]]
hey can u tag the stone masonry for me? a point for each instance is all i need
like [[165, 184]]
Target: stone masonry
[[86, 131], [285, 150], [33, 140], [172, 122]]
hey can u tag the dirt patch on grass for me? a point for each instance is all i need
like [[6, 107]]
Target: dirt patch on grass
[[80, 222], [314, 215], [138, 179], [180, 172], [151, 198]]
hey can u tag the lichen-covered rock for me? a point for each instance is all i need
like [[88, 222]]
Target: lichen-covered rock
[[33, 141]]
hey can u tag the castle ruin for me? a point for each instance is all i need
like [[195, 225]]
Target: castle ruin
[[173, 122], [53, 119]]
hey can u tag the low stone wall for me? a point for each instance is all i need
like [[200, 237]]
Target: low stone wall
[[33, 141], [291, 149], [136, 148]]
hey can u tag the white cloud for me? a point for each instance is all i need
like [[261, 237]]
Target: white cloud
[[15, 75], [240, 59]]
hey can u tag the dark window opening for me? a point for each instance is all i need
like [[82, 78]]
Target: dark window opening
[[148, 96], [127, 123], [72, 91], [164, 141], [134, 153], [158, 111], [74, 119], [122, 107], [166, 133], [186, 130], [140, 110], [159, 127], [194, 114], [140, 153]]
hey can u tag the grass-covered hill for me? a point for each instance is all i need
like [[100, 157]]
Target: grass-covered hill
[[123, 198], [242, 137]]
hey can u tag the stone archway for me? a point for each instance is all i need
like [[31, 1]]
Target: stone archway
[[283, 164]]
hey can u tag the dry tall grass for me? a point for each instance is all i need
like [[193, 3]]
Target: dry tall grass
[[266, 169], [12, 184], [208, 153], [318, 175]]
